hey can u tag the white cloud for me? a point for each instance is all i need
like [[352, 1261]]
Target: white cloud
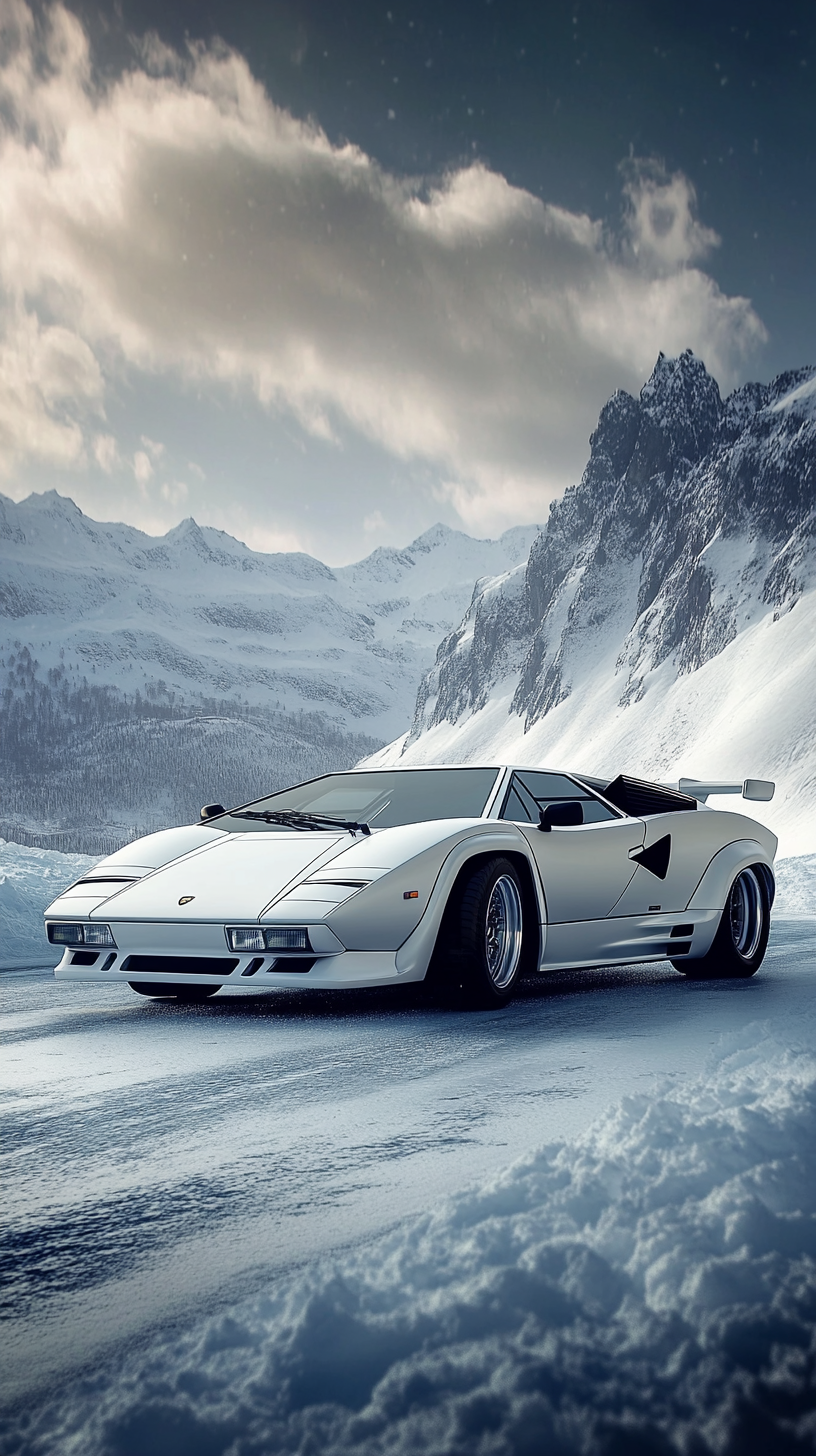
[[175, 492], [662, 226], [142, 468], [106, 453], [175, 221], [49, 380], [154, 448]]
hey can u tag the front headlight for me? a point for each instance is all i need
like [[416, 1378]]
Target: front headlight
[[258, 937], [74, 934]]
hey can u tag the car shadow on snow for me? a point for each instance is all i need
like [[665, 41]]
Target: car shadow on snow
[[550, 987]]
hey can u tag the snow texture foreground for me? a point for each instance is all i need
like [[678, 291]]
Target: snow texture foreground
[[649, 1288]]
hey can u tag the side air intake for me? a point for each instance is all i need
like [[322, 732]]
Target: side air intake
[[638, 798]]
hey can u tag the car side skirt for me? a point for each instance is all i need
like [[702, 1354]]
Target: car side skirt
[[624, 939]]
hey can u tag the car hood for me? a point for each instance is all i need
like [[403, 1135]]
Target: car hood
[[231, 879], [238, 876]]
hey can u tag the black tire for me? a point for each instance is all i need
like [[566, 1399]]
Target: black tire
[[166, 989], [479, 956], [738, 948]]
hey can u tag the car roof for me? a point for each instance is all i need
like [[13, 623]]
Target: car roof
[[416, 767]]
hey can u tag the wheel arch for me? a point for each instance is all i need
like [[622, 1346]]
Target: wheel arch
[[715, 883], [415, 955]]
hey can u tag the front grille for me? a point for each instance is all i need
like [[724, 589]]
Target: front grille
[[149, 965]]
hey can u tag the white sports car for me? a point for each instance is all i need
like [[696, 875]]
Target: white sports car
[[468, 876]]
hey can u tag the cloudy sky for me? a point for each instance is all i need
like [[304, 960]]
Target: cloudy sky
[[322, 274]]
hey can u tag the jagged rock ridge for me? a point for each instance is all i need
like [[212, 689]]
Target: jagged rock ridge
[[673, 478], [664, 621]]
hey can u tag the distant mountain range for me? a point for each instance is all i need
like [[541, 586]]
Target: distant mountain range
[[665, 620], [144, 676]]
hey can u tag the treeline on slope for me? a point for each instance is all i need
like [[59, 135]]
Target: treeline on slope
[[85, 769]]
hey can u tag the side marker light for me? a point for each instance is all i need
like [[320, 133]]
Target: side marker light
[[410, 894]]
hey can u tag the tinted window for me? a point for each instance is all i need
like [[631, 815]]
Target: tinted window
[[381, 798], [533, 790]]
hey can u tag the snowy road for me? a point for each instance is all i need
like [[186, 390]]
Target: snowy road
[[160, 1161]]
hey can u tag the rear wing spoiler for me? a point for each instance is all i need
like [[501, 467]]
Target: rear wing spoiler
[[760, 790]]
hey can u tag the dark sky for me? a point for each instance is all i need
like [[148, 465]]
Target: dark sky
[[554, 95]]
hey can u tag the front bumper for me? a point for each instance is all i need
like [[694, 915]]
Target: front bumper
[[176, 949]]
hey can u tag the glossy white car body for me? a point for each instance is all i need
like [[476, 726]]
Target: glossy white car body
[[372, 902]]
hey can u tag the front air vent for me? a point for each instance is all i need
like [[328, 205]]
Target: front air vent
[[169, 966], [682, 932]]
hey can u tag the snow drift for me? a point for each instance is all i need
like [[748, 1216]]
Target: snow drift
[[29, 880], [649, 1288]]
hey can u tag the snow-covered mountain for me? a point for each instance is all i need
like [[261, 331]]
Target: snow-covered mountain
[[665, 621], [141, 673]]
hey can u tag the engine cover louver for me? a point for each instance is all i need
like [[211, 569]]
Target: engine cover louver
[[638, 798]]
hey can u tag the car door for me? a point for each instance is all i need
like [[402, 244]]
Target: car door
[[584, 868], [677, 848]]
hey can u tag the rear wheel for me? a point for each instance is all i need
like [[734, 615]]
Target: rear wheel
[[480, 951], [738, 948], [166, 990]]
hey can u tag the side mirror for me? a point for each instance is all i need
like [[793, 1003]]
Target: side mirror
[[562, 816], [211, 810]]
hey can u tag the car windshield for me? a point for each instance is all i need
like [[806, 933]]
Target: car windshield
[[381, 799]]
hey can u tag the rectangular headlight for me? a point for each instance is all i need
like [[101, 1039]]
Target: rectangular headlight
[[65, 934], [99, 935], [258, 937], [248, 937], [73, 934], [286, 938]]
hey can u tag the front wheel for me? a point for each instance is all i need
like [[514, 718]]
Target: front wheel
[[190, 994], [738, 948], [482, 946]]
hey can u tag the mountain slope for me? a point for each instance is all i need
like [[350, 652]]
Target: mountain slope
[[146, 675], [664, 621]]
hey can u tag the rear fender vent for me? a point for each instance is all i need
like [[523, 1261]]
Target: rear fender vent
[[639, 799]]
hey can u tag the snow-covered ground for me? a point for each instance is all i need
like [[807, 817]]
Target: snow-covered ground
[[646, 1285], [31, 878]]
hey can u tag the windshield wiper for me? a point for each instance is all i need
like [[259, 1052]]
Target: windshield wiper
[[300, 819]]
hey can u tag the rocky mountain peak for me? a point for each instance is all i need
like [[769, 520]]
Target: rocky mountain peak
[[693, 515], [682, 400]]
